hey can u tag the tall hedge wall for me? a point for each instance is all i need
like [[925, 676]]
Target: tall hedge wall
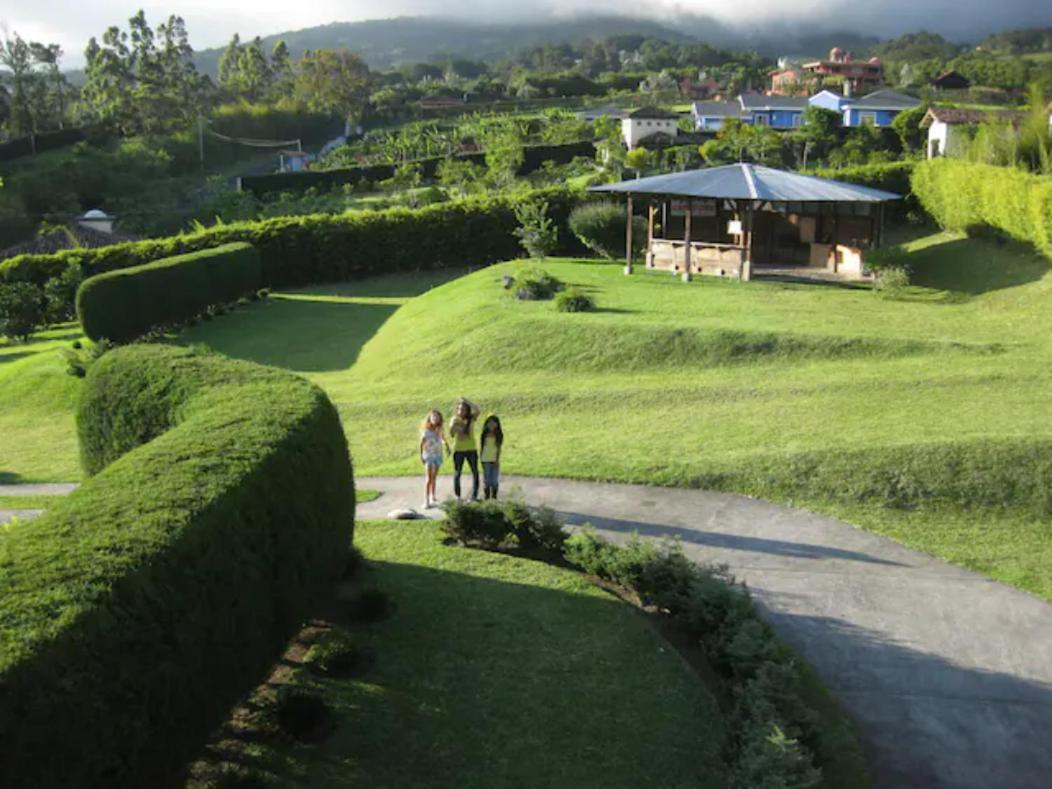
[[890, 176], [533, 157], [322, 247], [138, 610], [961, 195], [124, 304]]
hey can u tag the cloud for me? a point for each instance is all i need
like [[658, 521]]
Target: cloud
[[71, 22]]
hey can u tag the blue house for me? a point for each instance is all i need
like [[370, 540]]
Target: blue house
[[878, 108], [830, 100], [778, 112], [710, 115]]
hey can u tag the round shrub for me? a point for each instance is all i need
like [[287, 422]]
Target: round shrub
[[573, 300], [338, 655], [21, 309], [601, 227], [535, 283], [300, 713], [369, 605]]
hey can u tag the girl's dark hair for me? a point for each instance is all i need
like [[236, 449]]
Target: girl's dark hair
[[497, 434]]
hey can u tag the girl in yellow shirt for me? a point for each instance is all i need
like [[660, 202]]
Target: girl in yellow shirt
[[462, 428], [492, 442]]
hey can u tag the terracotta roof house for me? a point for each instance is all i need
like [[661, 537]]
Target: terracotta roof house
[[857, 75], [945, 126]]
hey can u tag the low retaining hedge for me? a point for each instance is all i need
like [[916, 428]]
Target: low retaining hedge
[[889, 176], [534, 157], [296, 250], [125, 304], [139, 609], [961, 196]]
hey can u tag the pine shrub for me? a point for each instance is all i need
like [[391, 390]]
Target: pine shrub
[[602, 228], [573, 300]]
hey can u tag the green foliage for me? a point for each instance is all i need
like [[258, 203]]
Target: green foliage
[[907, 126], [21, 309], [337, 654], [323, 248], [300, 712], [962, 195], [774, 731], [493, 524], [125, 304], [536, 231], [574, 300], [60, 293], [743, 142], [601, 228], [534, 283], [137, 610], [891, 281]]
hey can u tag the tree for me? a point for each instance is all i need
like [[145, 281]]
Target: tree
[[638, 159], [458, 176], [335, 81], [17, 57], [907, 126], [536, 232], [21, 309], [818, 133], [1035, 138], [56, 87]]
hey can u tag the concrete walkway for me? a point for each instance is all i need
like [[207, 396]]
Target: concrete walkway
[[947, 674], [31, 489]]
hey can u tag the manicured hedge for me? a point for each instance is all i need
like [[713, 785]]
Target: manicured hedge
[[890, 176], [138, 610], [295, 250], [533, 157], [125, 304], [962, 196]]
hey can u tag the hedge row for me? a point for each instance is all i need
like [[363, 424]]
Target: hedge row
[[138, 610], [1003, 473], [533, 157], [296, 250], [38, 143], [961, 195], [124, 304], [890, 176]]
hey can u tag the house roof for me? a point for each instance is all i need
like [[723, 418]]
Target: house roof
[[750, 182], [886, 100], [72, 237], [955, 116], [652, 113], [751, 102], [716, 109]]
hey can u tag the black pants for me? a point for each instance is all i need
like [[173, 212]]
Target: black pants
[[472, 458]]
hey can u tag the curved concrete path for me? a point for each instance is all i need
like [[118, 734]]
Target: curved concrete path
[[947, 674]]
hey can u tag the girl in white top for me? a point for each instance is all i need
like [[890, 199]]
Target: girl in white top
[[432, 439]]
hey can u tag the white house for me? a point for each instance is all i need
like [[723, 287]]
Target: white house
[[646, 122], [947, 126]]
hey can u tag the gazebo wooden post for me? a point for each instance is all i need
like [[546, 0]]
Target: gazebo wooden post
[[880, 225], [651, 210], [686, 240], [628, 238], [745, 269]]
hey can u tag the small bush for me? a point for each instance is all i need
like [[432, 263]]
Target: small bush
[[494, 524], [338, 655], [602, 228], [300, 713], [536, 283], [122, 305], [21, 310], [536, 231], [890, 282], [369, 605], [573, 300]]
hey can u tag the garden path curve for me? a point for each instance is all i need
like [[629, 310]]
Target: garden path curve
[[946, 673]]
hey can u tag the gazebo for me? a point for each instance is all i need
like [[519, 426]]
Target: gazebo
[[741, 219]]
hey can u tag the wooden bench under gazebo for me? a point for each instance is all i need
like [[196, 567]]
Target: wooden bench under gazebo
[[741, 220]]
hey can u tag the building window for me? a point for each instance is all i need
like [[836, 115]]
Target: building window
[[761, 120], [798, 121], [867, 119]]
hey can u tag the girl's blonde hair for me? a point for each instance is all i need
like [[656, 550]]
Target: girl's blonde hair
[[434, 417]]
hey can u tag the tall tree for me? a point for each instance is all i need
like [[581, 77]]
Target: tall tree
[[17, 57], [334, 81]]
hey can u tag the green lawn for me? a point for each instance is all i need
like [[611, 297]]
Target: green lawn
[[502, 672], [667, 383]]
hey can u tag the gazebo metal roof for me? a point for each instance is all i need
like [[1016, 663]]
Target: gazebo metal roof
[[750, 182]]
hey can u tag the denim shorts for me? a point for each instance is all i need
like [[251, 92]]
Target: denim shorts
[[432, 460]]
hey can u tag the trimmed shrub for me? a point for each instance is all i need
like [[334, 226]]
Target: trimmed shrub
[[122, 305], [495, 524], [338, 655], [136, 611], [296, 250], [602, 228], [573, 300], [961, 195], [60, 294], [21, 309], [535, 283], [300, 713]]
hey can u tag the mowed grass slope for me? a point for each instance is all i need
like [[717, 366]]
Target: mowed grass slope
[[495, 671]]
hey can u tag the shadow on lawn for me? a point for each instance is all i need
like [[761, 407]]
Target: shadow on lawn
[[973, 266], [737, 542], [926, 722], [475, 677]]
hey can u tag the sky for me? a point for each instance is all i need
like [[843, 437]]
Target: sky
[[211, 22]]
